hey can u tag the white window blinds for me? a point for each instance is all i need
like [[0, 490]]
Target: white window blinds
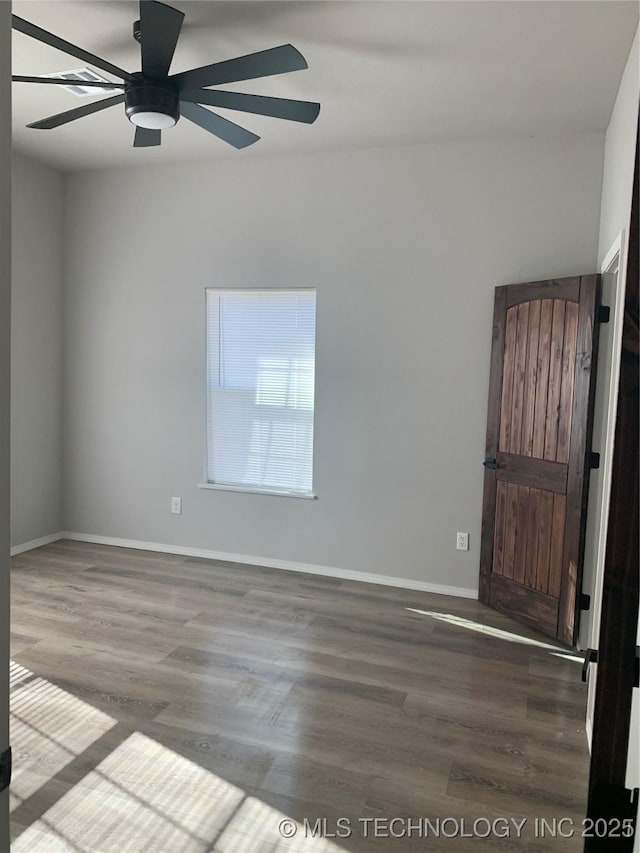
[[260, 389]]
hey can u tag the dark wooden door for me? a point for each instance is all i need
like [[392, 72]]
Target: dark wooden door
[[537, 451]]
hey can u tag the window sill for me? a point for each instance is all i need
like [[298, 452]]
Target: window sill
[[248, 490]]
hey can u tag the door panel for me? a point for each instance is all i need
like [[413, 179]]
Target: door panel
[[542, 378], [528, 536], [525, 604], [538, 433]]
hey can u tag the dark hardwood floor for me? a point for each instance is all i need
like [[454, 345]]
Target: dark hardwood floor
[[168, 704]]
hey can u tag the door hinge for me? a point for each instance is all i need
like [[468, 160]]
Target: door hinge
[[584, 602], [590, 656], [594, 459], [490, 463], [5, 769], [604, 314]]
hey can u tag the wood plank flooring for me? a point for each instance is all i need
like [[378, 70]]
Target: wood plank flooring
[[181, 705]]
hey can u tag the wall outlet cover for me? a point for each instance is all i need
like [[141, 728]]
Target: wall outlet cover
[[462, 541]]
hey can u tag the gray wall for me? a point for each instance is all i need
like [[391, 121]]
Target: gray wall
[[36, 352], [5, 325], [404, 247], [619, 155]]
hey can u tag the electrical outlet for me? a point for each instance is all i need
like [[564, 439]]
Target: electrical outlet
[[462, 541], [176, 506]]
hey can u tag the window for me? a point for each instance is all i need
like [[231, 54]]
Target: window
[[260, 389]]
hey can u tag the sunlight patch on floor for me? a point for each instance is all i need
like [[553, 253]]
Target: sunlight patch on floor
[[141, 797], [483, 629], [49, 729], [574, 658]]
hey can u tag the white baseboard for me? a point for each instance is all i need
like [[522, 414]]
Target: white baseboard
[[35, 543], [287, 565]]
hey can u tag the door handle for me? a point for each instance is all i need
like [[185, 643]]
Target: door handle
[[490, 463], [590, 656]]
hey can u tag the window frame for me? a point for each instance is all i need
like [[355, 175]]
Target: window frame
[[252, 489]]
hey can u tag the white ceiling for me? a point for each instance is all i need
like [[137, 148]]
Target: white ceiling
[[386, 73]]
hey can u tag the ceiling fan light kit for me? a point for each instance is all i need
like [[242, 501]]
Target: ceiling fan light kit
[[154, 100], [152, 106]]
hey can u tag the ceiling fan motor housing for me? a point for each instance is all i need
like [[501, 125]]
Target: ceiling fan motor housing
[[144, 96]]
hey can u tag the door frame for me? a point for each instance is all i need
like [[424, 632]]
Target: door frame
[[599, 501], [5, 351], [612, 769]]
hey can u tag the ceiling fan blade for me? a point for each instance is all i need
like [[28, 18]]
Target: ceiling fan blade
[[146, 138], [220, 127], [79, 112], [264, 63], [160, 27], [305, 111], [18, 78], [38, 33]]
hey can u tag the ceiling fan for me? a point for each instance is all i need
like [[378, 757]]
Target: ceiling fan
[[154, 100]]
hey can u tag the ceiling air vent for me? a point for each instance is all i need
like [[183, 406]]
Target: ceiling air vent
[[84, 74]]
